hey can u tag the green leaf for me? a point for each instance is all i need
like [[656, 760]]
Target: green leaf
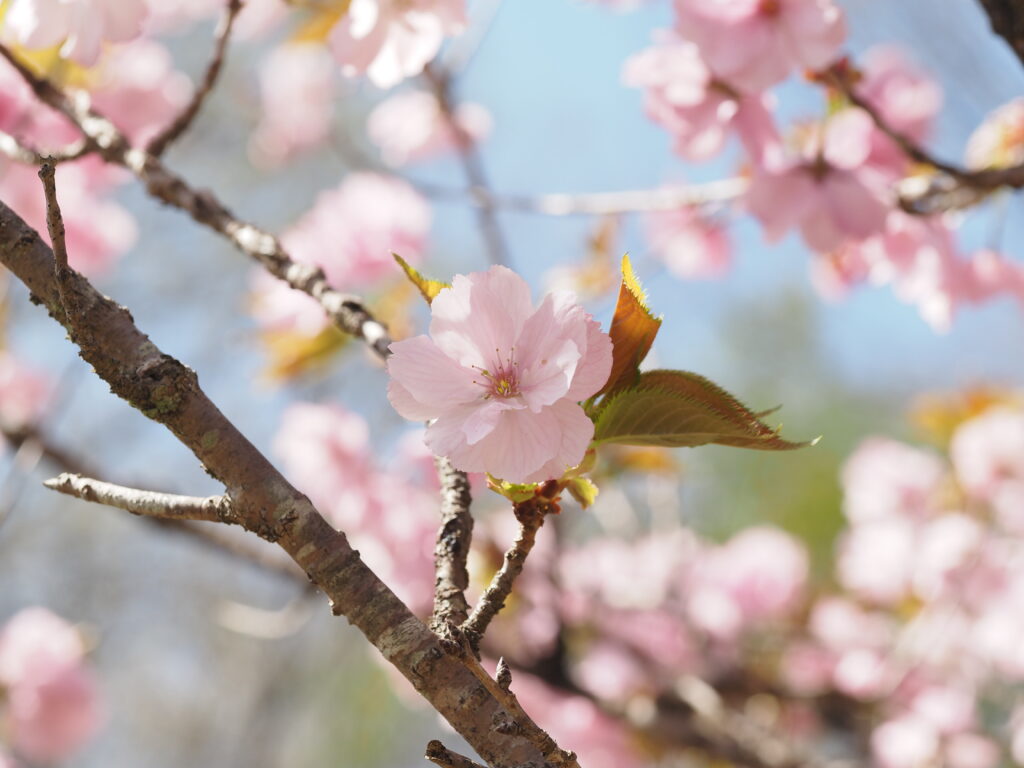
[[632, 330], [583, 490], [673, 409], [428, 288]]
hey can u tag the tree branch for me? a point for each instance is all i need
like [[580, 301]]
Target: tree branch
[[452, 548], [347, 311], [262, 501], [1007, 19], [472, 166], [530, 515], [159, 143], [439, 754], [167, 506], [13, 149]]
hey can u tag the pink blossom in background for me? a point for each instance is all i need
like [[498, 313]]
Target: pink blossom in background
[[279, 308], [352, 230], [691, 244], [754, 44], [999, 141], [699, 111], [905, 742], [610, 671], [98, 229], [51, 703], [24, 392], [139, 89], [79, 27], [326, 452], [502, 378], [296, 102], [390, 40], [409, 127], [971, 750], [6, 761], [876, 558], [988, 454], [830, 193], [884, 478]]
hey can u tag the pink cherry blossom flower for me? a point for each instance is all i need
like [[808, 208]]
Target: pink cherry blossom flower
[[698, 110], [296, 103], [754, 44], [875, 560], [999, 141], [52, 702], [390, 40], [140, 90], [279, 308], [831, 195], [352, 230], [906, 742], [80, 27], [988, 454], [501, 379], [884, 478], [691, 244], [409, 127], [971, 750]]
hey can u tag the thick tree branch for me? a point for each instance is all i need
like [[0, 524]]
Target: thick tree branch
[[472, 166], [159, 143], [167, 506], [530, 515], [262, 501], [347, 311], [452, 548], [1007, 19]]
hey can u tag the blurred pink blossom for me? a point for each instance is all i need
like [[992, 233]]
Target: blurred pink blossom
[[24, 392], [754, 44], [502, 378], [971, 750], [697, 109], [296, 102], [999, 141], [80, 27], [905, 742], [279, 308], [409, 127], [390, 40], [51, 698], [884, 478], [876, 558], [988, 454], [139, 89], [691, 244], [352, 230]]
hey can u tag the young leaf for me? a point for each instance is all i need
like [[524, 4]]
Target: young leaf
[[583, 490], [673, 409], [428, 288], [632, 330]]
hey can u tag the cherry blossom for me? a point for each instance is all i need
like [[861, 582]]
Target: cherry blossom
[[51, 699], [296, 100], [501, 378], [988, 454], [352, 230], [754, 44], [23, 393], [80, 27], [409, 127], [390, 40], [691, 244], [999, 141], [884, 478]]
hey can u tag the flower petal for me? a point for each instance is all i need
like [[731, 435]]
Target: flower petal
[[423, 375]]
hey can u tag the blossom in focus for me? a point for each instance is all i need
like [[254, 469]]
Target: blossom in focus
[[697, 109], [352, 230], [79, 27], [691, 244], [51, 700], [409, 127], [139, 89], [390, 40], [501, 379], [999, 141], [296, 84], [754, 44]]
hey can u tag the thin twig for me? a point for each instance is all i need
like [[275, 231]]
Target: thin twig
[[452, 548], [15, 150], [530, 515], [167, 506], [159, 143], [472, 166], [602, 203], [439, 754], [58, 241]]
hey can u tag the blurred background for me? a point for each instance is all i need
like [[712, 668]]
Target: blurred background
[[186, 675]]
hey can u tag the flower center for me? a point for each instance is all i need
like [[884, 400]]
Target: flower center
[[503, 381]]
